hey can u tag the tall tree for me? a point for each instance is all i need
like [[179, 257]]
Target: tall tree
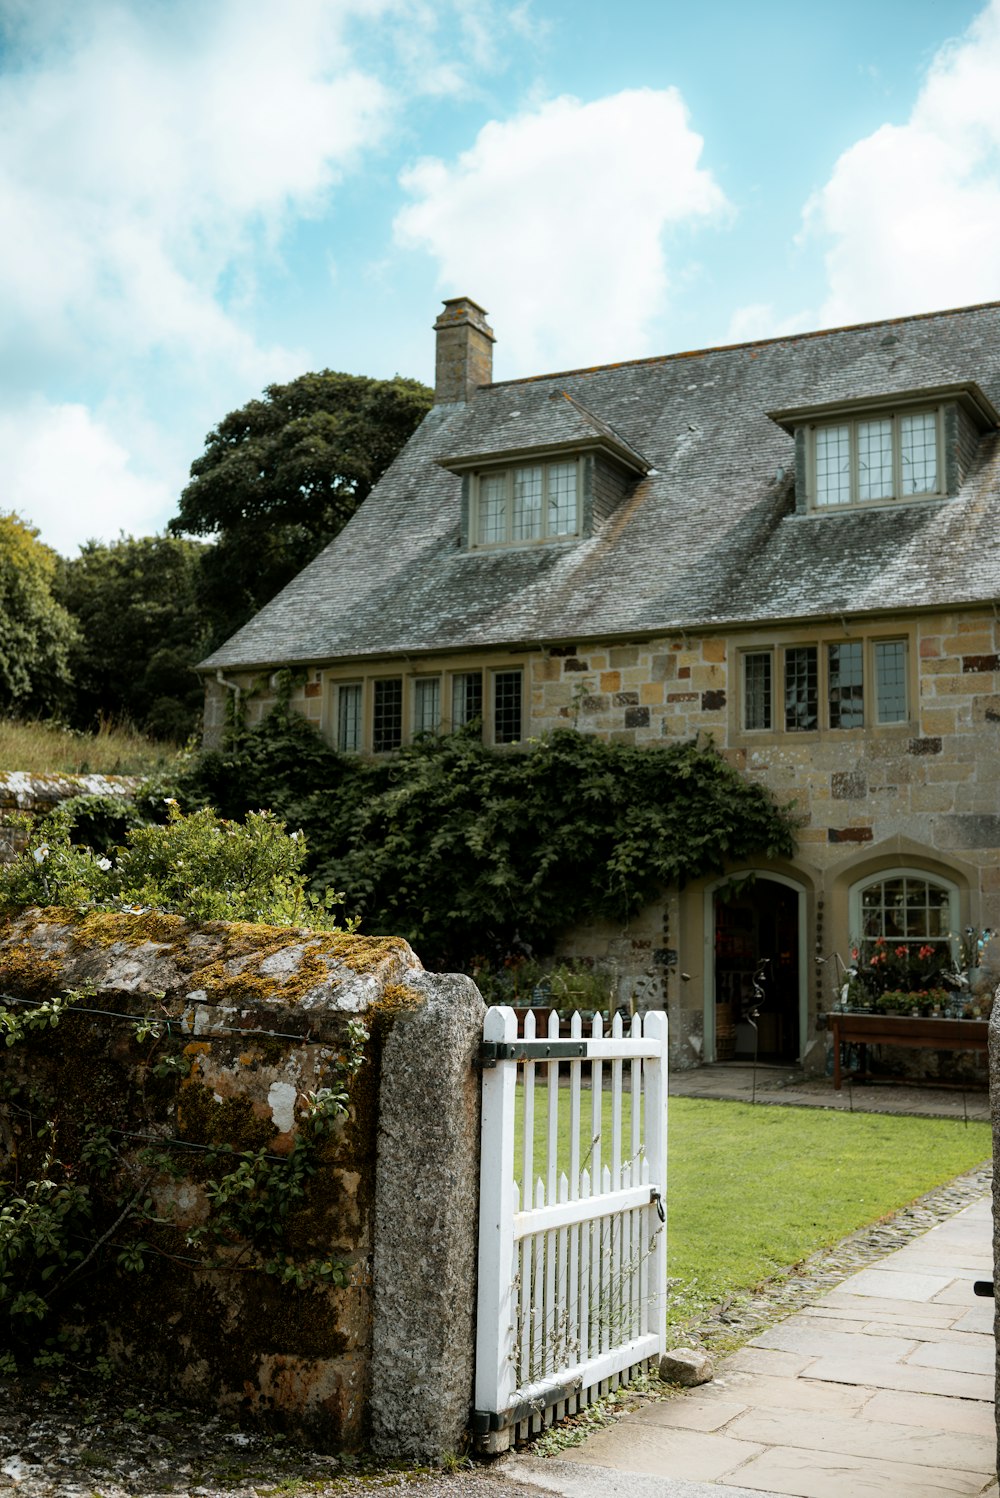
[[135, 603], [282, 475], [36, 633]]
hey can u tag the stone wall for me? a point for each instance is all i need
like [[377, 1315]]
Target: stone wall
[[258, 1017], [38, 794]]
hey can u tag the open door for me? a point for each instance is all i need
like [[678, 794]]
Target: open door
[[761, 922]]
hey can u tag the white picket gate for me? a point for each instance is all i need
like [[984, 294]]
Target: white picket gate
[[572, 1263]]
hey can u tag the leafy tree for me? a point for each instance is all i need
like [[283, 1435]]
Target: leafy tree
[[282, 475], [141, 630], [36, 633], [469, 851]]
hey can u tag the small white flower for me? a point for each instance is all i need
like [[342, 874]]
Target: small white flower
[[295, 837], [41, 853], [104, 863]]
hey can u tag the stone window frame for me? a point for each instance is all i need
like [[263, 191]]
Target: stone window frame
[[820, 640], [507, 472], [409, 674]]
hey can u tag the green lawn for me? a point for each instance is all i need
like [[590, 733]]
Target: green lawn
[[751, 1191]]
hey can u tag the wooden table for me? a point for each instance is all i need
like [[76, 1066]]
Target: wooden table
[[904, 1030]]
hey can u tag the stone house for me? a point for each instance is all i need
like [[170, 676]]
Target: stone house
[[792, 545]]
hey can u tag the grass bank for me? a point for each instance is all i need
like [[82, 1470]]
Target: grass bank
[[50, 749]]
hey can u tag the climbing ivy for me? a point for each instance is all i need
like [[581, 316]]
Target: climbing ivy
[[466, 850]]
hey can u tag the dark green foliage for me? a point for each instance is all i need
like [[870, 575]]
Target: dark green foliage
[[470, 851], [136, 606], [282, 475], [36, 633]]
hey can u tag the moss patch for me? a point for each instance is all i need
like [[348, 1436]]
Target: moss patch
[[28, 974]]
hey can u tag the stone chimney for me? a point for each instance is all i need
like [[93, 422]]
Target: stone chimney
[[464, 351]]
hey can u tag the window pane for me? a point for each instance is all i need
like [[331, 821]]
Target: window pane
[[466, 698], [875, 460], [527, 503], [844, 664], [757, 690], [507, 707], [801, 696], [833, 465], [918, 449], [349, 718], [387, 715], [562, 513], [492, 509], [427, 705], [890, 681]]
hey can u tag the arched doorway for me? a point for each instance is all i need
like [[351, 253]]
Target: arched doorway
[[757, 926]]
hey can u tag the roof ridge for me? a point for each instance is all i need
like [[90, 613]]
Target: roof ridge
[[725, 348]]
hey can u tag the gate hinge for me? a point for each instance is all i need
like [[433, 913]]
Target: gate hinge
[[492, 1051]]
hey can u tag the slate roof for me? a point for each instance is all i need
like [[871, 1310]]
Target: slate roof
[[705, 539]]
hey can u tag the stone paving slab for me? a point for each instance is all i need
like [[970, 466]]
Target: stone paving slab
[[931, 1411], [574, 1480], [852, 1436], [902, 1376], [897, 1284], [805, 1474], [695, 1455]]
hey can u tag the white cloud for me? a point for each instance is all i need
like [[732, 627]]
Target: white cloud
[[556, 221], [66, 474], [913, 210], [147, 151]]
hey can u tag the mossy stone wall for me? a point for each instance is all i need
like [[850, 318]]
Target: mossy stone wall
[[258, 1017]]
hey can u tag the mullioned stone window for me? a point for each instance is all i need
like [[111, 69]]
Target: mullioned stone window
[[839, 684]]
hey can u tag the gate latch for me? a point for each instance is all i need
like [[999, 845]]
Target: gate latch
[[655, 1196]]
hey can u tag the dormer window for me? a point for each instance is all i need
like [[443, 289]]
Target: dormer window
[[539, 471], [884, 450], [528, 502], [875, 459]]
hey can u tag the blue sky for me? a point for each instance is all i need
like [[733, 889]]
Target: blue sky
[[201, 198]]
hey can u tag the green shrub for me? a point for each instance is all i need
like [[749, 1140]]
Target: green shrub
[[196, 866]]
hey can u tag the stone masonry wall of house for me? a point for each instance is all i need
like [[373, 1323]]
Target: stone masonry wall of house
[[260, 1015]]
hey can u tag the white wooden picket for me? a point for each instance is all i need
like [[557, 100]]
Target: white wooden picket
[[572, 1266]]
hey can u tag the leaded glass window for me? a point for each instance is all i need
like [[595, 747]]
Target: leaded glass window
[[757, 690], [507, 707], [466, 698], [874, 460], [918, 453], [845, 684], [527, 503], [801, 688], [427, 704], [890, 681], [349, 723], [833, 465], [906, 908], [530, 502], [387, 715]]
